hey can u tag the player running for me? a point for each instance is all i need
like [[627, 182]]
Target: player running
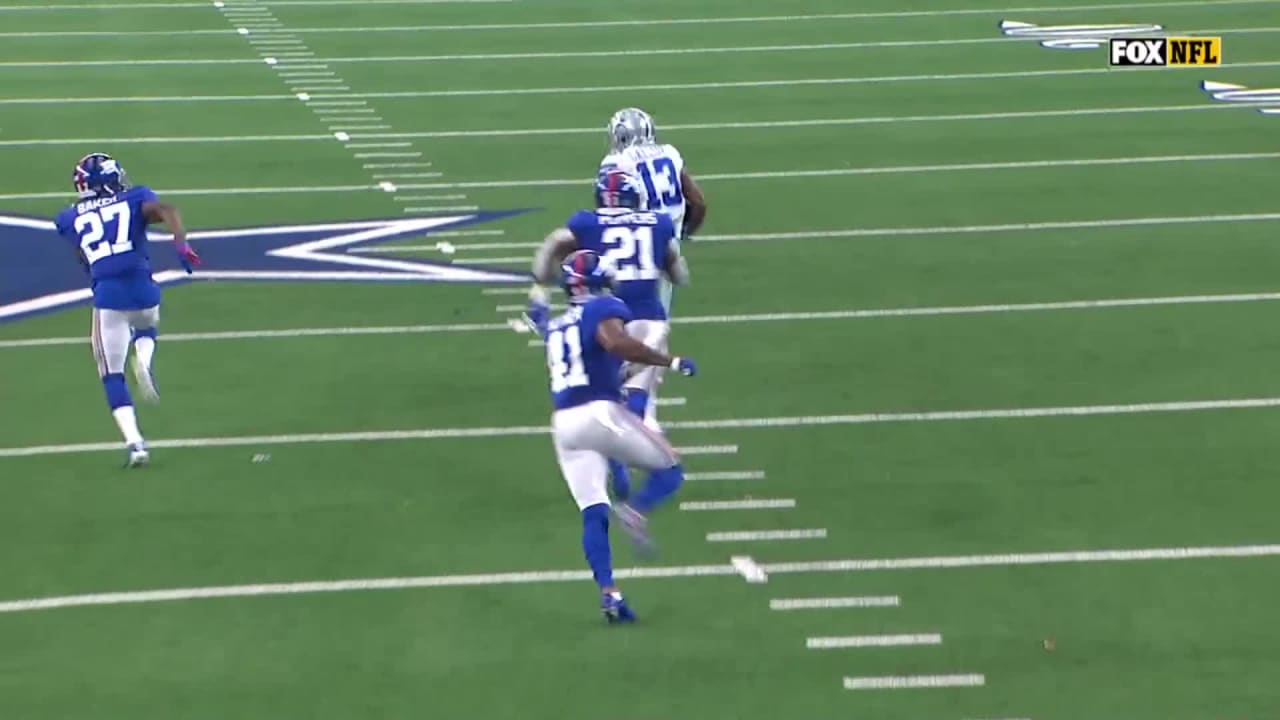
[[586, 347], [642, 248], [669, 190], [108, 226]]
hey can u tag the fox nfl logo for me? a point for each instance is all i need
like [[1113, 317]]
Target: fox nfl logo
[[1166, 52]]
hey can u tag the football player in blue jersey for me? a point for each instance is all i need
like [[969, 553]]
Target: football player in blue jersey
[[586, 347], [108, 227], [643, 248]]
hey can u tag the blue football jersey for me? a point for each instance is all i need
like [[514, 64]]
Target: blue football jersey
[[581, 370], [638, 245], [112, 234]]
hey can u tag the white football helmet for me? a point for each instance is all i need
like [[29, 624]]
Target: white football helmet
[[630, 126]]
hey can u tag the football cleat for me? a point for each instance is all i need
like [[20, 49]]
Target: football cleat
[[615, 608], [146, 381], [636, 526], [138, 456]]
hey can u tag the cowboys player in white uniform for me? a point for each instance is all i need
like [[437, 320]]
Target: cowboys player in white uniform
[[671, 190]]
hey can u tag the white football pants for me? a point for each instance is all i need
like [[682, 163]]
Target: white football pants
[[112, 332], [652, 333], [586, 435]]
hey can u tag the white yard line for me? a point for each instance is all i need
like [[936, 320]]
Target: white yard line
[[912, 682], [749, 569], [767, 535], [753, 504], [722, 177], [708, 450], [619, 89], [866, 641], [656, 22], [1025, 413], [671, 401], [676, 127], [725, 475], [555, 576], [219, 4], [615, 53], [506, 260], [832, 603], [693, 319]]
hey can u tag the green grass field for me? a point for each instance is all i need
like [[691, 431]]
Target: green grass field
[[895, 308]]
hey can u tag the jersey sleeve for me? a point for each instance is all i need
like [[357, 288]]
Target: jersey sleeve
[[579, 222], [671, 152], [62, 223], [140, 195], [611, 307]]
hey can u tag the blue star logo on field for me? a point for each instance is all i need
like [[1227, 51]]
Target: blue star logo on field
[[38, 271], [1232, 93], [1074, 37]]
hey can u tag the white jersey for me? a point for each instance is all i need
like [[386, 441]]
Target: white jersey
[[660, 167]]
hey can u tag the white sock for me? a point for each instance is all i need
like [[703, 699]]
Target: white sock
[[146, 349], [128, 423]]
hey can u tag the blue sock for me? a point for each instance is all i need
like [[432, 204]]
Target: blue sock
[[595, 543], [662, 485], [637, 402], [144, 332], [117, 390], [621, 479]]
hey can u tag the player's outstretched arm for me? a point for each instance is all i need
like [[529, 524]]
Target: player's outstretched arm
[[697, 210], [615, 340], [162, 212], [554, 249]]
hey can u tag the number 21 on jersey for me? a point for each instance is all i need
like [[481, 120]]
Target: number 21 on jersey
[[630, 251], [94, 225], [564, 358]]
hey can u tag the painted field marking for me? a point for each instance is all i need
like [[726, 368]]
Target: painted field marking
[[574, 54], [1025, 413], [711, 177], [507, 260], [445, 208], [727, 475], [427, 198], [373, 155], [712, 85], [376, 145], [767, 535], [671, 401], [866, 641], [220, 4], [502, 290], [640, 23], [708, 450], [754, 504], [688, 127], [910, 682], [690, 319], [832, 603], [686, 571], [749, 569]]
